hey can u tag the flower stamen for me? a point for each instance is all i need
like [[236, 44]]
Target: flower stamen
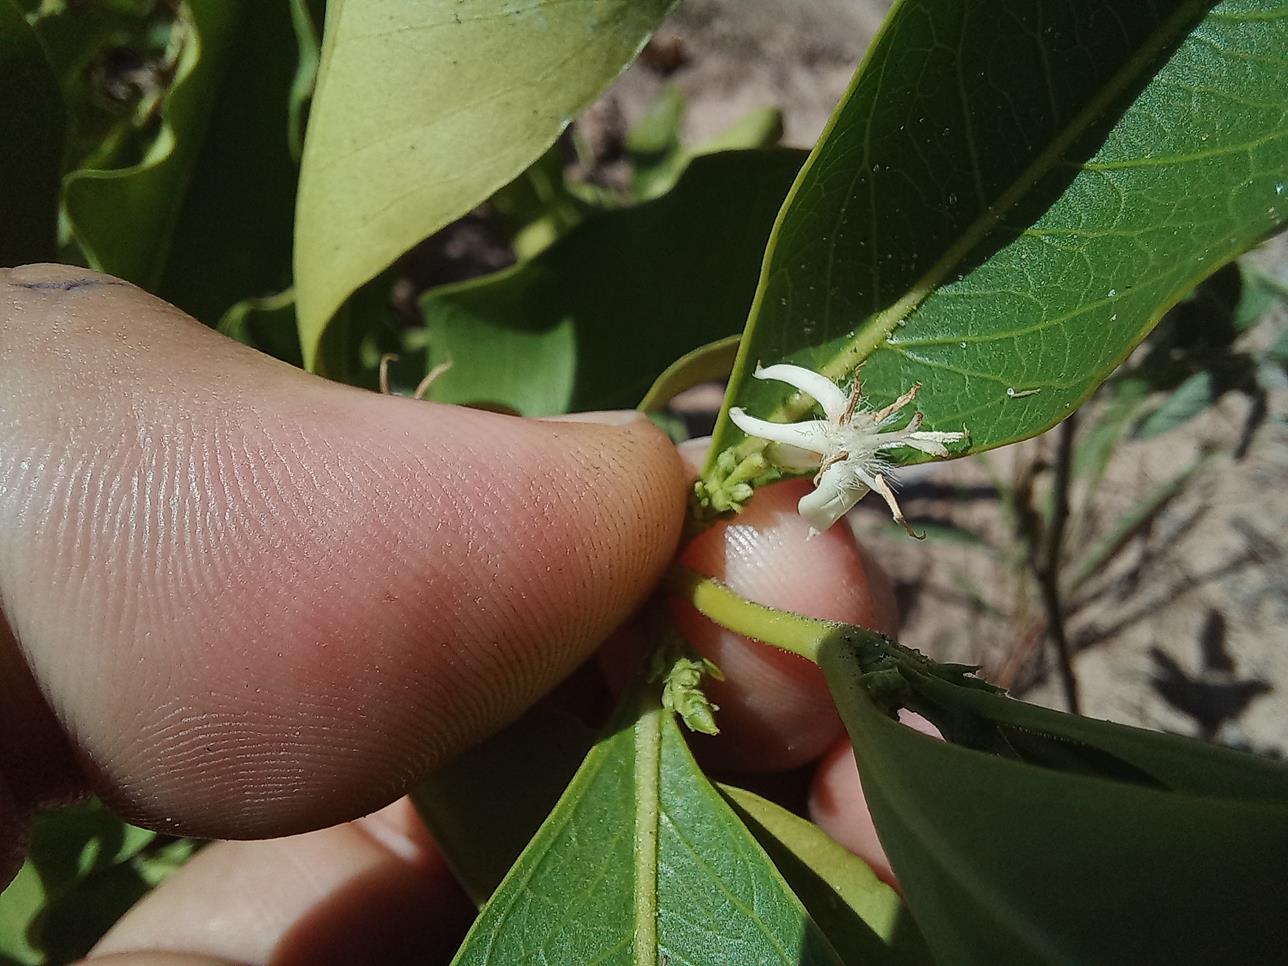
[[847, 446]]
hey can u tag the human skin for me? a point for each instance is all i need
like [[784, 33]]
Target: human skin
[[241, 602]]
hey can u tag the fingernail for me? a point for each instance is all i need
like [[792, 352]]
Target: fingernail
[[604, 417]]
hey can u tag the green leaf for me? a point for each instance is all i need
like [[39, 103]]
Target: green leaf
[[109, 112], [538, 206], [653, 145], [643, 862], [424, 110], [124, 218], [761, 128], [232, 236], [31, 115], [306, 17], [266, 324], [1190, 398], [706, 363], [485, 806], [1052, 838], [70, 924], [205, 218], [863, 917], [86, 867], [20, 904], [658, 156], [1010, 196], [1256, 298], [365, 328], [594, 319]]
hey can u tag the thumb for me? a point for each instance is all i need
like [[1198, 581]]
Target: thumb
[[242, 601]]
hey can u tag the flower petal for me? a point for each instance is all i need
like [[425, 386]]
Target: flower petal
[[792, 457], [809, 435], [928, 442], [835, 494], [827, 393]]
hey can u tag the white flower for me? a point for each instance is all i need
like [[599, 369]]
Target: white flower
[[846, 447]]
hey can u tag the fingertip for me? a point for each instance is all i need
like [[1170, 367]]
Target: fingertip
[[693, 454], [601, 417], [256, 602], [155, 958], [340, 895], [775, 709]]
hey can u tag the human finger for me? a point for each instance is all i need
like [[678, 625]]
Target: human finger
[[775, 710], [375, 890], [248, 602]]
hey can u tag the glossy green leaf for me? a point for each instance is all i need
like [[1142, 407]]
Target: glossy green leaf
[[1010, 196], [864, 918], [643, 862], [1058, 839], [31, 116], [594, 319], [205, 218], [423, 110], [484, 806]]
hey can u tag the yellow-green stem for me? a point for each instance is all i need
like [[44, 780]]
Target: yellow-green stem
[[779, 628]]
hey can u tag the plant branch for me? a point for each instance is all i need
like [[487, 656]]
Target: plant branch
[[782, 629], [1048, 570], [884, 666]]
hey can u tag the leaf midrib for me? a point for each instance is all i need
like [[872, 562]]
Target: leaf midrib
[[648, 765]]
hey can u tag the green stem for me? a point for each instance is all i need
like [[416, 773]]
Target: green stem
[[851, 657], [782, 629]]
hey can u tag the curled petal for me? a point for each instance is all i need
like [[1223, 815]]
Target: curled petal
[[792, 457], [809, 435], [932, 443], [827, 393], [931, 446], [836, 493]]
